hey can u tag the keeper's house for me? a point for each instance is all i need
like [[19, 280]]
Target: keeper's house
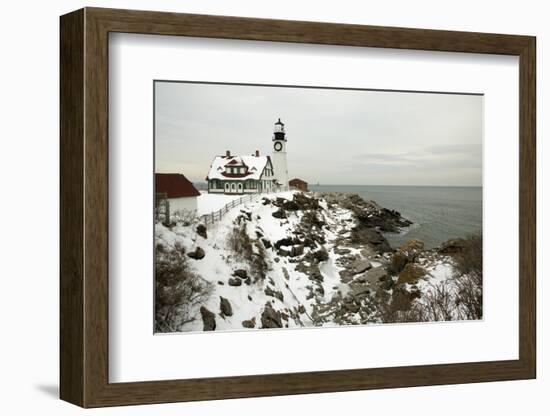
[[178, 190], [245, 174]]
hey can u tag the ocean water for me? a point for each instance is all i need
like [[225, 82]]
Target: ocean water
[[438, 213]]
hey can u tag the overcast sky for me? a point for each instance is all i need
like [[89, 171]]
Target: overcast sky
[[334, 136]]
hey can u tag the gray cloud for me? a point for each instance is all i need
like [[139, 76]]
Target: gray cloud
[[334, 136]]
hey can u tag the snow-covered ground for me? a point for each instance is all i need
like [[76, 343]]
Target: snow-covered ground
[[207, 203], [219, 264], [300, 298]]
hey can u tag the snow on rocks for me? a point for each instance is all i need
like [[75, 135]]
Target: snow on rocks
[[314, 263]]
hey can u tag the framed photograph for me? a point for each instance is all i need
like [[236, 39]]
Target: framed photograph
[[255, 207]]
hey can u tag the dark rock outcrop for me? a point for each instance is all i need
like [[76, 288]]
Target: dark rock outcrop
[[362, 234], [411, 273], [280, 214], [208, 319], [369, 213], [249, 323], [234, 282], [225, 307], [271, 318], [320, 255], [407, 253], [198, 254], [201, 230], [273, 293], [242, 273], [360, 265]]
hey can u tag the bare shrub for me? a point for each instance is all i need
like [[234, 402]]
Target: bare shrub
[[240, 242], [249, 250], [178, 291], [469, 297], [184, 217], [438, 303], [390, 311], [469, 278], [470, 259]]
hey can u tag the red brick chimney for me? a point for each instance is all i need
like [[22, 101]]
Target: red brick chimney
[[227, 153], [257, 153]]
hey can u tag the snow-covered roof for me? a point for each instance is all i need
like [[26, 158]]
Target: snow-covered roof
[[255, 164]]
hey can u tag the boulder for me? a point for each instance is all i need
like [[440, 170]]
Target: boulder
[[266, 243], [201, 230], [305, 202], [360, 266], [351, 306], [273, 293], [270, 317], [387, 284], [321, 255], [225, 307], [234, 282], [286, 241], [398, 262], [198, 254], [411, 273], [376, 275], [285, 273], [208, 319], [280, 213], [249, 323], [290, 205], [283, 252], [297, 250], [345, 276], [246, 214], [365, 235], [359, 290], [242, 273], [407, 253]]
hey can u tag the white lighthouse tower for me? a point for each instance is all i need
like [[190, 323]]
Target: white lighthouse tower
[[279, 155]]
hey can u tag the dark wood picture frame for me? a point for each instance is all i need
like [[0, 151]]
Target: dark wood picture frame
[[84, 207]]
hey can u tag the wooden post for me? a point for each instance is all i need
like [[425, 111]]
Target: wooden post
[[166, 212]]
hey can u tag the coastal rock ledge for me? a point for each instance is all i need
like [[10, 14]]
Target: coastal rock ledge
[[322, 259]]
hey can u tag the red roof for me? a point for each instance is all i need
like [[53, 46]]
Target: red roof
[[297, 180], [175, 185]]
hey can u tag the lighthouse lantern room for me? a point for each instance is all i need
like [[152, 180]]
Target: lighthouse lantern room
[[279, 155]]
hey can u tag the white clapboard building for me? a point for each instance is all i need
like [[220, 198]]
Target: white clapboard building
[[177, 190], [248, 174]]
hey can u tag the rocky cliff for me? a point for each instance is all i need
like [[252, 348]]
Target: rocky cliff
[[297, 260]]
